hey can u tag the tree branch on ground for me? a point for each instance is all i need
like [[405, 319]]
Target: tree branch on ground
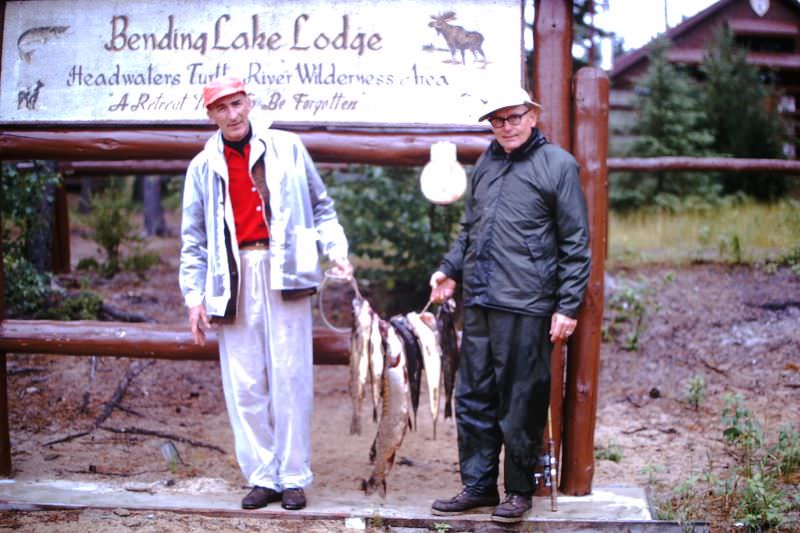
[[155, 433], [134, 369]]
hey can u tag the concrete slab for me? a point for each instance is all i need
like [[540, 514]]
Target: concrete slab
[[608, 508]]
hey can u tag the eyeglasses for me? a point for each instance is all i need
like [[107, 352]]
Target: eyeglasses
[[514, 120]]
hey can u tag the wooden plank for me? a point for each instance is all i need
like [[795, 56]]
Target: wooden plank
[[138, 340], [306, 518]]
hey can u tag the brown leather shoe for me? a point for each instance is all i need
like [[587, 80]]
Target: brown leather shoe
[[465, 502], [515, 508], [293, 499], [259, 497]]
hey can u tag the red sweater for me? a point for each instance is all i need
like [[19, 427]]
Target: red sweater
[[248, 209]]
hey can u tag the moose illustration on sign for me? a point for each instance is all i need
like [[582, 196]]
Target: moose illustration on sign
[[28, 97], [457, 37]]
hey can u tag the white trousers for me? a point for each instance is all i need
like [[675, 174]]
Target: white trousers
[[266, 358]]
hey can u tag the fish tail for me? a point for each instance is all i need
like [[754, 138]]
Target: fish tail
[[369, 486], [373, 450]]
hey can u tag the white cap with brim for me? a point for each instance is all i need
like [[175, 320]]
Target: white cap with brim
[[506, 98]]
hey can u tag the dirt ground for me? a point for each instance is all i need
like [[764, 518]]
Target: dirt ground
[[734, 326]]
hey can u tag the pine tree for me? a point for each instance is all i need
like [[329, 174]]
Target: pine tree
[[669, 124], [737, 109]]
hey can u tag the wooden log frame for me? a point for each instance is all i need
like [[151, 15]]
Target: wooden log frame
[[138, 340], [613, 164], [166, 150], [378, 147], [552, 38], [583, 366], [723, 164]]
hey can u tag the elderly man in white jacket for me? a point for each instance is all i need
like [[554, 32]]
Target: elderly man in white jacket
[[255, 215]]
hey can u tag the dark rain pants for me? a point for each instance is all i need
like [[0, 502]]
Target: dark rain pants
[[502, 395]]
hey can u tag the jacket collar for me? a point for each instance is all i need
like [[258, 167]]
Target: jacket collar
[[216, 147], [528, 147]]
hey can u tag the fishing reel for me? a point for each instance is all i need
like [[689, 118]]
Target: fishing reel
[[545, 477]]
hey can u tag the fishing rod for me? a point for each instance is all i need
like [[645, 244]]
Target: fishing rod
[[551, 464], [548, 477]]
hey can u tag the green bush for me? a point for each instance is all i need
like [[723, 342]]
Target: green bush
[[26, 290], [112, 228], [111, 223], [787, 451], [140, 261], [398, 236], [625, 314], [611, 452], [23, 192], [85, 305], [755, 492], [695, 392]]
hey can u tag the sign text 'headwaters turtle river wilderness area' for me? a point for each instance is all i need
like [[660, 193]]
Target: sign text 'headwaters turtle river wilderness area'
[[359, 62]]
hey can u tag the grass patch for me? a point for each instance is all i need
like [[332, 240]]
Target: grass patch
[[745, 232]]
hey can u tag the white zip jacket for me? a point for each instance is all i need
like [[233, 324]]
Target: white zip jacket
[[302, 215]]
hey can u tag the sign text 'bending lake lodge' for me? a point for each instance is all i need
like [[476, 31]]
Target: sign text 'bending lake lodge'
[[425, 62]]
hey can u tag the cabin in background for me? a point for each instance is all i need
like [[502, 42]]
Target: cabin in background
[[769, 29]]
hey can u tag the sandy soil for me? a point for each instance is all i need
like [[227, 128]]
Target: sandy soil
[[736, 327]]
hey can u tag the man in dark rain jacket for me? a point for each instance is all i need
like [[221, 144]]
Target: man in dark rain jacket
[[523, 260]]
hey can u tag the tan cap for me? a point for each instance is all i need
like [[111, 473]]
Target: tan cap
[[509, 97]]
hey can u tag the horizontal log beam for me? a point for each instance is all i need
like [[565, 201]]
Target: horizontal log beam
[[375, 148], [727, 164], [138, 340], [616, 164], [159, 167]]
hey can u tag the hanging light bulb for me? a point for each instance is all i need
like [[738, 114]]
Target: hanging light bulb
[[443, 179]]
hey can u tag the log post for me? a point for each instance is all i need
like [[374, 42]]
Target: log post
[[154, 222], [552, 69], [583, 364], [552, 38], [60, 249], [5, 439]]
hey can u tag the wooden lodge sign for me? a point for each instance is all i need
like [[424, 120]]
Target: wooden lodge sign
[[305, 61]]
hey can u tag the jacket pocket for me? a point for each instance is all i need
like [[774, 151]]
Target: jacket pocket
[[544, 263], [307, 257]]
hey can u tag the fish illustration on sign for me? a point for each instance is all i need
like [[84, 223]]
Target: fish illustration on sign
[[33, 38], [457, 38]]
